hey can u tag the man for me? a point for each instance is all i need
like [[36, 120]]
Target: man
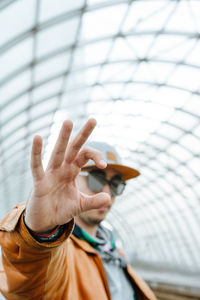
[[41, 259]]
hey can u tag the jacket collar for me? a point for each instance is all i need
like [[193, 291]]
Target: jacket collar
[[83, 245]]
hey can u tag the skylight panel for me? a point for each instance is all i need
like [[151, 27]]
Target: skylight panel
[[194, 164], [14, 139], [167, 161], [140, 11], [184, 120], [155, 15], [93, 2], [56, 65], [43, 107], [139, 43], [179, 153], [167, 188], [160, 71], [197, 130], [171, 46], [90, 75], [91, 54], [114, 92], [156, 166], [193, 55], [48, 89], [15, 87], [16, 58], [49, 10], [171, 97], [72, 99], [144, 73], [185, 77], [168, 130], [159, 142], [18, 121], [182, 19], [11, 18], [121, 50], [116, 72], [42, 121], [191, 142], [148, 172], [193, 105], [12, 153], [98, 92], [186, 173], [57, 36], [196, 187], [14, 108], [98, 23]]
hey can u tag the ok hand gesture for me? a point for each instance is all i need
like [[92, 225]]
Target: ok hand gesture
[[55, 198]]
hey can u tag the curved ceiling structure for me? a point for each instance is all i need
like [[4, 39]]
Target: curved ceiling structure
[[135, 67]]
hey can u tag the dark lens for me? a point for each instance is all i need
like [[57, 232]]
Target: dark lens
[[117, 186], [96, 180]]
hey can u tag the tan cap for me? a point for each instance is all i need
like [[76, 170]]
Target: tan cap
[[113, 160]]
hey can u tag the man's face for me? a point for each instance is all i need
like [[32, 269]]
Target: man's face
[[95, 216]]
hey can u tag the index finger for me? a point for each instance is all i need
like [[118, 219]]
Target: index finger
[[79, 140]]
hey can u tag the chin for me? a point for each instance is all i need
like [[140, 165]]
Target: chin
[[97, 219], [99, 216], [95, 216]]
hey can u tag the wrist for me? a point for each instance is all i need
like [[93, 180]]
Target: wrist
[[44, 233], [46, 236], [36, 226]]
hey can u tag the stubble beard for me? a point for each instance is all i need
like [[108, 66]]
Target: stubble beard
[[91, 220]]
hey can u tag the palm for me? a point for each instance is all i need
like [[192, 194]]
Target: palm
[[61, 188], [56, 199]]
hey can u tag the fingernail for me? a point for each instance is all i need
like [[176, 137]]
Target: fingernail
[[103, 163]]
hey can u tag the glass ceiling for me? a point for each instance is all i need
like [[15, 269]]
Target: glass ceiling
[[135, 67]]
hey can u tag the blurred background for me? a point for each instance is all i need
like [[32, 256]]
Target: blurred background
[[135, 67]]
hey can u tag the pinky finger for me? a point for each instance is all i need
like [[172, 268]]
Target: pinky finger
[[36, 159]]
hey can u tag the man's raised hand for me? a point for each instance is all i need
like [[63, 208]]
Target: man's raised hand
[[55, 198]]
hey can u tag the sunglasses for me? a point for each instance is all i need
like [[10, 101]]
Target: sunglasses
[[96, 181]]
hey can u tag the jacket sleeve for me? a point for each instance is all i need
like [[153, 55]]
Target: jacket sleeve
[[25, 263]]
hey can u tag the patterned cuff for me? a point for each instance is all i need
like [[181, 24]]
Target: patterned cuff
[[49, 236]]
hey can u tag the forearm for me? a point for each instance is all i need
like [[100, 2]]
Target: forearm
[[25, 262]]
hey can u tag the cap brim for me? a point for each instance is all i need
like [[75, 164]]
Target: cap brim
[[127, 172]]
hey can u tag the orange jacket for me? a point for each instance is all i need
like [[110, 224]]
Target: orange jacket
[[67, 269]]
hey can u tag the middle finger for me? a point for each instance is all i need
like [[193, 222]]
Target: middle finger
[[58, 153], [79, 140]]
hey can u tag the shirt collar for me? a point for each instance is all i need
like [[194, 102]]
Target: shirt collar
[[103, 238]]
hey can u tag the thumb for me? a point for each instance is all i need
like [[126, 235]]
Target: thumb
[[95, 201]]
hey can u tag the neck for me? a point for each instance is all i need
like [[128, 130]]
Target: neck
[[91, 229]]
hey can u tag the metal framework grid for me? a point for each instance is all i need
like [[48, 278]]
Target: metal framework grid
[[134, 66]]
